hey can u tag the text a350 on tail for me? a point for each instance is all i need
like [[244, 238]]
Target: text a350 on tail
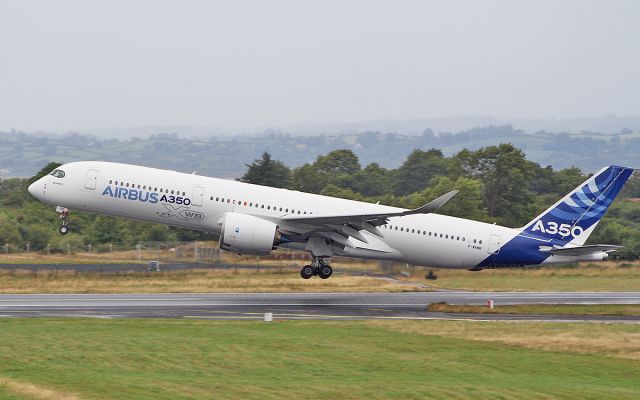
[[253, 219]]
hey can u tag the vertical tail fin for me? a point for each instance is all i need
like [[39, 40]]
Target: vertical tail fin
[[575, 216]]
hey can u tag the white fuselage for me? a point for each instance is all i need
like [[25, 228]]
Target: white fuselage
[[198, 202]]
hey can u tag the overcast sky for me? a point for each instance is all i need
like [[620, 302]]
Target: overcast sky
[[236, 64]]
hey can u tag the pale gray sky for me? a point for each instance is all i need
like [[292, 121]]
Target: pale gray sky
[[237, 64]]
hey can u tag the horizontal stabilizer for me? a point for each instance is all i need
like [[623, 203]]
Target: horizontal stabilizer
[[579, 250]]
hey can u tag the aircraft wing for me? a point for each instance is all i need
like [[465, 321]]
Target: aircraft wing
[[350, 225], [581, 250], [373, 219]]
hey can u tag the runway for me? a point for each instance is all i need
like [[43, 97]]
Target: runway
[[324, 306]]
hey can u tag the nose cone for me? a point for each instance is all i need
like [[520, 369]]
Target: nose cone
[[36, 189]]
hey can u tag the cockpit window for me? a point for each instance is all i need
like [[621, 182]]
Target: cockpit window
[[58, 173]]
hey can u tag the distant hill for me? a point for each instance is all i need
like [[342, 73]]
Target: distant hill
[[23, 154]]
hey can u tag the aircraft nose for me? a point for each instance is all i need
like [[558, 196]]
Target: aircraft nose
[[35, 189]]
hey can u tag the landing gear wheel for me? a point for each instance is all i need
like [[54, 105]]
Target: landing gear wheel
[[306, 272], [64, 213], [325, 271]]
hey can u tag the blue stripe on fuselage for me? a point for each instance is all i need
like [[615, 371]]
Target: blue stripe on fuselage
[[524, 249]]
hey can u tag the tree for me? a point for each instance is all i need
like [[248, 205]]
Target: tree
[[307, 179], [38, 236], [338, 162], [567, 179], [267, 172], [373, 180], [9, 231], [506, 175], [469, 203], [107, 230], [418, 170]]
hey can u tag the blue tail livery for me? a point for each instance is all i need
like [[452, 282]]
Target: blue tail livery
[[566, 224], [573, 218]]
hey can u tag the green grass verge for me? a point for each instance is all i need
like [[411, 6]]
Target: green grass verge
[[558, 309], [173, 359], [608, 276]]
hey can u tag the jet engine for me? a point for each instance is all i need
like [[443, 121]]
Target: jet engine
[[246, 234]]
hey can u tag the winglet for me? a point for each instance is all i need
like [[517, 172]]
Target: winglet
[[433, 205]]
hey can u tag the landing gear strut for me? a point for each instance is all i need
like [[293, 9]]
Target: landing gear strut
[[64, 213], [317, 267]]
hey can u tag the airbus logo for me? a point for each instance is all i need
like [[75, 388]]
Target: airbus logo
[[144, 196]]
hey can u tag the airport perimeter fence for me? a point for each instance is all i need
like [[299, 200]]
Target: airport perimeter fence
[[206, 252], [176, 255]]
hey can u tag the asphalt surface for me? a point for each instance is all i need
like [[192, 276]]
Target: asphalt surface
[[324, 306]]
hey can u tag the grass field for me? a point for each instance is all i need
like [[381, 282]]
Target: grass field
[[170, 359], [194, 281], [559, 309], [606, 276]]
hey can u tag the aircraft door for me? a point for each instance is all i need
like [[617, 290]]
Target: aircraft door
[[495, 242], [198, 196], [92, 179]]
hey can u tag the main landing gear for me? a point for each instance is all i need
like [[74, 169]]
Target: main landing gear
[[64, 213], [317, 267]]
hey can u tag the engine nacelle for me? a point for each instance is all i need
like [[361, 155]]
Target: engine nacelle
[[246, 234]]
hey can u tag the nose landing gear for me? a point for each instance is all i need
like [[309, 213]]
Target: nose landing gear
[[317, 267], [64, 213]]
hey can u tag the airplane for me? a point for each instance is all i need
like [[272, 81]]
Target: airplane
[[253, 219]]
